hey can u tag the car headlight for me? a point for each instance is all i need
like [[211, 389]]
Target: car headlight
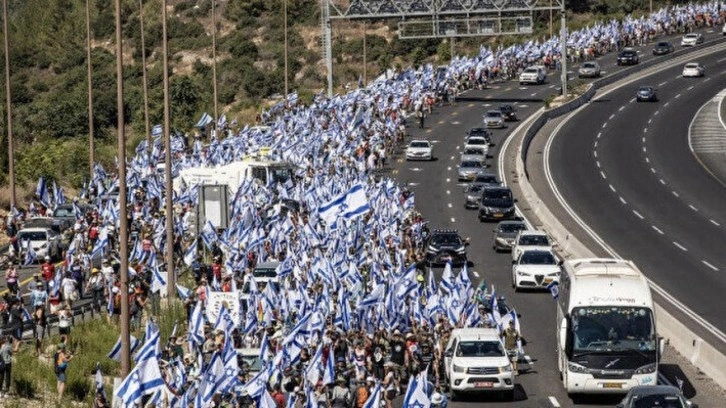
[[505, 369], [523, 273], [458, 369], [502, 240], [576, 368], [45, 245], [432, 249], [554, 275], [461, 250], [646, 369]]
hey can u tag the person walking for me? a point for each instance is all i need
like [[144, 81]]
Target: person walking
[[60, 364], [511, 338], [40, 325], [6, 364], [96, 286]]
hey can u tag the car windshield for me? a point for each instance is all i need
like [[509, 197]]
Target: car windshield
[[476, 141], [63, 212], [474, 151], [475, 188], [471, 164], [419, 144], [537, 258], [478, 132], [32, 235], [261, 285], [531, 70], [534, 240], [605, 328], [480, 349], [512, 227], [658, 400], [691, 35], [588, 65], [691, 65], [645, 89], [663, 44], [446, 239], [497, 195], [280, 175], [487, 178], [494, 114]]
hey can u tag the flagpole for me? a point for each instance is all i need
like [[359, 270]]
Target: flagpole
[[143, 77], [91, 141], [11, 147], [169, 248], [123, 233]]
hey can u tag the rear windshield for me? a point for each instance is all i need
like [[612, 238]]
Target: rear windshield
[[534, 240], [32, 235], [419, 144]]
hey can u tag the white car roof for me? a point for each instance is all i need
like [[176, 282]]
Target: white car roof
[[37, 229], [532, 233], [475, 333], [419, 141]]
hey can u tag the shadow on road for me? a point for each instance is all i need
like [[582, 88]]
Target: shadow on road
[[676, 376]]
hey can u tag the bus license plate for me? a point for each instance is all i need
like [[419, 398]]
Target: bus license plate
[[612, 385], [484, 384]]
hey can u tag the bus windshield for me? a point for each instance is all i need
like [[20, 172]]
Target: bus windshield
[[606, 328]]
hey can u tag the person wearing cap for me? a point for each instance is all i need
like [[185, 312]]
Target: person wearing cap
[[511, 339], [340, 396], [47, 271], [60, 363], [96, 286]]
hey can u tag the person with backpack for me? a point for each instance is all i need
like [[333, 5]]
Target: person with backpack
[[96, 285], [6, 364], [60, 366], [78, 276]]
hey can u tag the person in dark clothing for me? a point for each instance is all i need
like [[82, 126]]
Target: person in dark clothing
[[398, 349]]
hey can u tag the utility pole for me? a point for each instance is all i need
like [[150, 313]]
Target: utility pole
[[563, 49], [214, 69], [143, 77], [169, 247], [327, 42], [123, 233], [287, 88], [11, 146], [365, 50], [91, 141], [551, 32]]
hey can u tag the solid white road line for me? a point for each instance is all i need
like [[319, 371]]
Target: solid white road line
[[657, 229], [621, 108], [663, 83], [598, 164], [662, 182], [715, 223], [611, 116], [647, 160], [599, 134], [622, 200], [448, 180], [710, 266], [611, 188], [679, 246], [637, 214], [594, 152]]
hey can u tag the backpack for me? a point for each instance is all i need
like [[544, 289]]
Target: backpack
[[117, 301], [56, 368]]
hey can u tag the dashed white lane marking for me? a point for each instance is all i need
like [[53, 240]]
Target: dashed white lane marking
[[631, 100], [621, 108], [643, 139], [611, 188], [677, 96], [637, 214], [475, 273], [449, 205], [692, 207], [710, 266], [645, 149], [552, 86], [662, 181], [523, 106], [663, 83], [448, 180], [652, 170], [448, 192], [647, 160], [595, 145], [666, 104], [679, 246], [650, 120], [598, 164], [715, 223], [453, 219], [604, 125], [452, 157], [656, 112], [622, 200], [657, 229], [533, 94], [554, 402], [691, 87], [603, 175], [441, 122], [675, 193], [645, 130], [611, 116], [707, 79], [594, 152], [448, 168], [599, 134]]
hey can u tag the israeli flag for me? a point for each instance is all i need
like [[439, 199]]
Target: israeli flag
[[196, 325], [41, 191], [373, 298], [144, 379], [554, 288], [156, 131], [115, 353], [356, 202], [209, 234], [374, 401], [416, 395], [191, 254], [329, 373], [30, 256], [204, 121], [222, 121], [183, 292]]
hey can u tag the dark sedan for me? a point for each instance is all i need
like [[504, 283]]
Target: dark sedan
[[510, 114], [663, 48], [628, 56], [655, 396]]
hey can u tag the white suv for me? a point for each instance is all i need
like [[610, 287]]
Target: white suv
[[475, 361], [530, 240], [535, 269], [535, 74]]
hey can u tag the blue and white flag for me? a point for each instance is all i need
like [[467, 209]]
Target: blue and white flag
[[374, 400], [554, 288], [209, 234], [191, 254], [99, 380], [144, 379], [30, 256], [41, 191], [183, 292], [204, 121], [416, 396], [329, 373], [375, 297], [196, 325], [157, 130]]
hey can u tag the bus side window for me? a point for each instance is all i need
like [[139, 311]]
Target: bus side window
[[260, 173]]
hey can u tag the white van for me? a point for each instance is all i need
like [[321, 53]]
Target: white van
[[475, 361], [535, 74]]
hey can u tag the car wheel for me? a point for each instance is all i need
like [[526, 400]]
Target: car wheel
[[508, 395], [454, 395]]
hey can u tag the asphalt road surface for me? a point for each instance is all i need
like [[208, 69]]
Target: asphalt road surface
[[439, 197]]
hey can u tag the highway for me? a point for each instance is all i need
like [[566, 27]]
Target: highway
[[635, 182], [439, 198]]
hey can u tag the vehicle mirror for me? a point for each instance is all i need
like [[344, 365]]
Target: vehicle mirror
[[514, 261], [560, 262], [692, 405], [620, 405], [515, 200], [661, 346], [449, 353]]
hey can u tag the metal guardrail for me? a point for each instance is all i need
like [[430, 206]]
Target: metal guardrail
[[595, 85]]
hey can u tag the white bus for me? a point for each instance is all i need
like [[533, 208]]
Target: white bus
[[606, 331]]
